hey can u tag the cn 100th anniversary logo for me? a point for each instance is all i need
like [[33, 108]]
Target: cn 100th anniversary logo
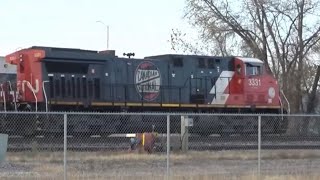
[[148, 80]]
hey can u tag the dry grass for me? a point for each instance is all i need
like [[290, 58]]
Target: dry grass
[[133, 166], [214, 177], [192, 155], [155, 177]]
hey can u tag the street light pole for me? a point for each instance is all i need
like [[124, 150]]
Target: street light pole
[[107, 37], [107, 27]]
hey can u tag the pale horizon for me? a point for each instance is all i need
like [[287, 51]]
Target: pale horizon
[[142, 26]]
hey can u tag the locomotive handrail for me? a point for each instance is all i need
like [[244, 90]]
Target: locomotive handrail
[[287, 101], [4, 98], [34, 94], [281, 104], [45, 94], [14, 96]]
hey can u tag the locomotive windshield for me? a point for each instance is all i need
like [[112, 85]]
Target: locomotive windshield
[[253, 69]]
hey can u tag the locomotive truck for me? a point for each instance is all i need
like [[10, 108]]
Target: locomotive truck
[[65, 79]]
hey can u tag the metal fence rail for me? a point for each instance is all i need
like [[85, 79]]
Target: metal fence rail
[[72, 145]]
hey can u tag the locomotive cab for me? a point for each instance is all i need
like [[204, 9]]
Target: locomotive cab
[[257, 86], [28, 75]]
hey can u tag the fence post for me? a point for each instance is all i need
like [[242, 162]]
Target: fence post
[[168, 146], [65, 147], [259, 146], [184, 133]]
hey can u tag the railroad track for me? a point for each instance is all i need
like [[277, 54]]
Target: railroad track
[[116, 143], [255, 138]]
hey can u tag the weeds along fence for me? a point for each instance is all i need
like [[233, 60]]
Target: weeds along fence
[[73, 145]]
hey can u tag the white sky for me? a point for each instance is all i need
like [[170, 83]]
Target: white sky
[[140, 26]]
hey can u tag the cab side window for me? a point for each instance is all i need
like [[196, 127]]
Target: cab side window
[[252, 70]]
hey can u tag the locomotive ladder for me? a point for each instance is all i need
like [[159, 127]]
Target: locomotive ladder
[[14, 96], [4, 98], [45, 94], [34, 94]]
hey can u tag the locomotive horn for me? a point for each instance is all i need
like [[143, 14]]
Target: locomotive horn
[[128, 54]]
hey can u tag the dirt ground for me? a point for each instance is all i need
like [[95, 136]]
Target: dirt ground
[[275, 164]]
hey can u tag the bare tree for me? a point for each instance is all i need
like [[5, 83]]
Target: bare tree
[[312, 96], [274, 30], [281, 33]]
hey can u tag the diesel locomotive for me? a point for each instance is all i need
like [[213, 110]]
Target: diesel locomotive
[[65, 79]]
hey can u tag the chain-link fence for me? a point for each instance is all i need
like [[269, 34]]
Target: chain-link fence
[[32, 153], [158, 146]]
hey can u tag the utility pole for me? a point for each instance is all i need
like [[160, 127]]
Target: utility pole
[[107, 27]]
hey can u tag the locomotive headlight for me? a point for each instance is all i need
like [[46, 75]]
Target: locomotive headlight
[[271, 92]]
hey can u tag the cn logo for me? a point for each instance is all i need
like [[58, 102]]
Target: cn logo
[[30, 87], [148, 80]]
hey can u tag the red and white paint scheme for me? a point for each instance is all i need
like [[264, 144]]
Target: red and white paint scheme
[[89, 81], [249, 85], [246, 84], [29, 76]]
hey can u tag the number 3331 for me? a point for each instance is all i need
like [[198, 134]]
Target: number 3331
[[254, 82]]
